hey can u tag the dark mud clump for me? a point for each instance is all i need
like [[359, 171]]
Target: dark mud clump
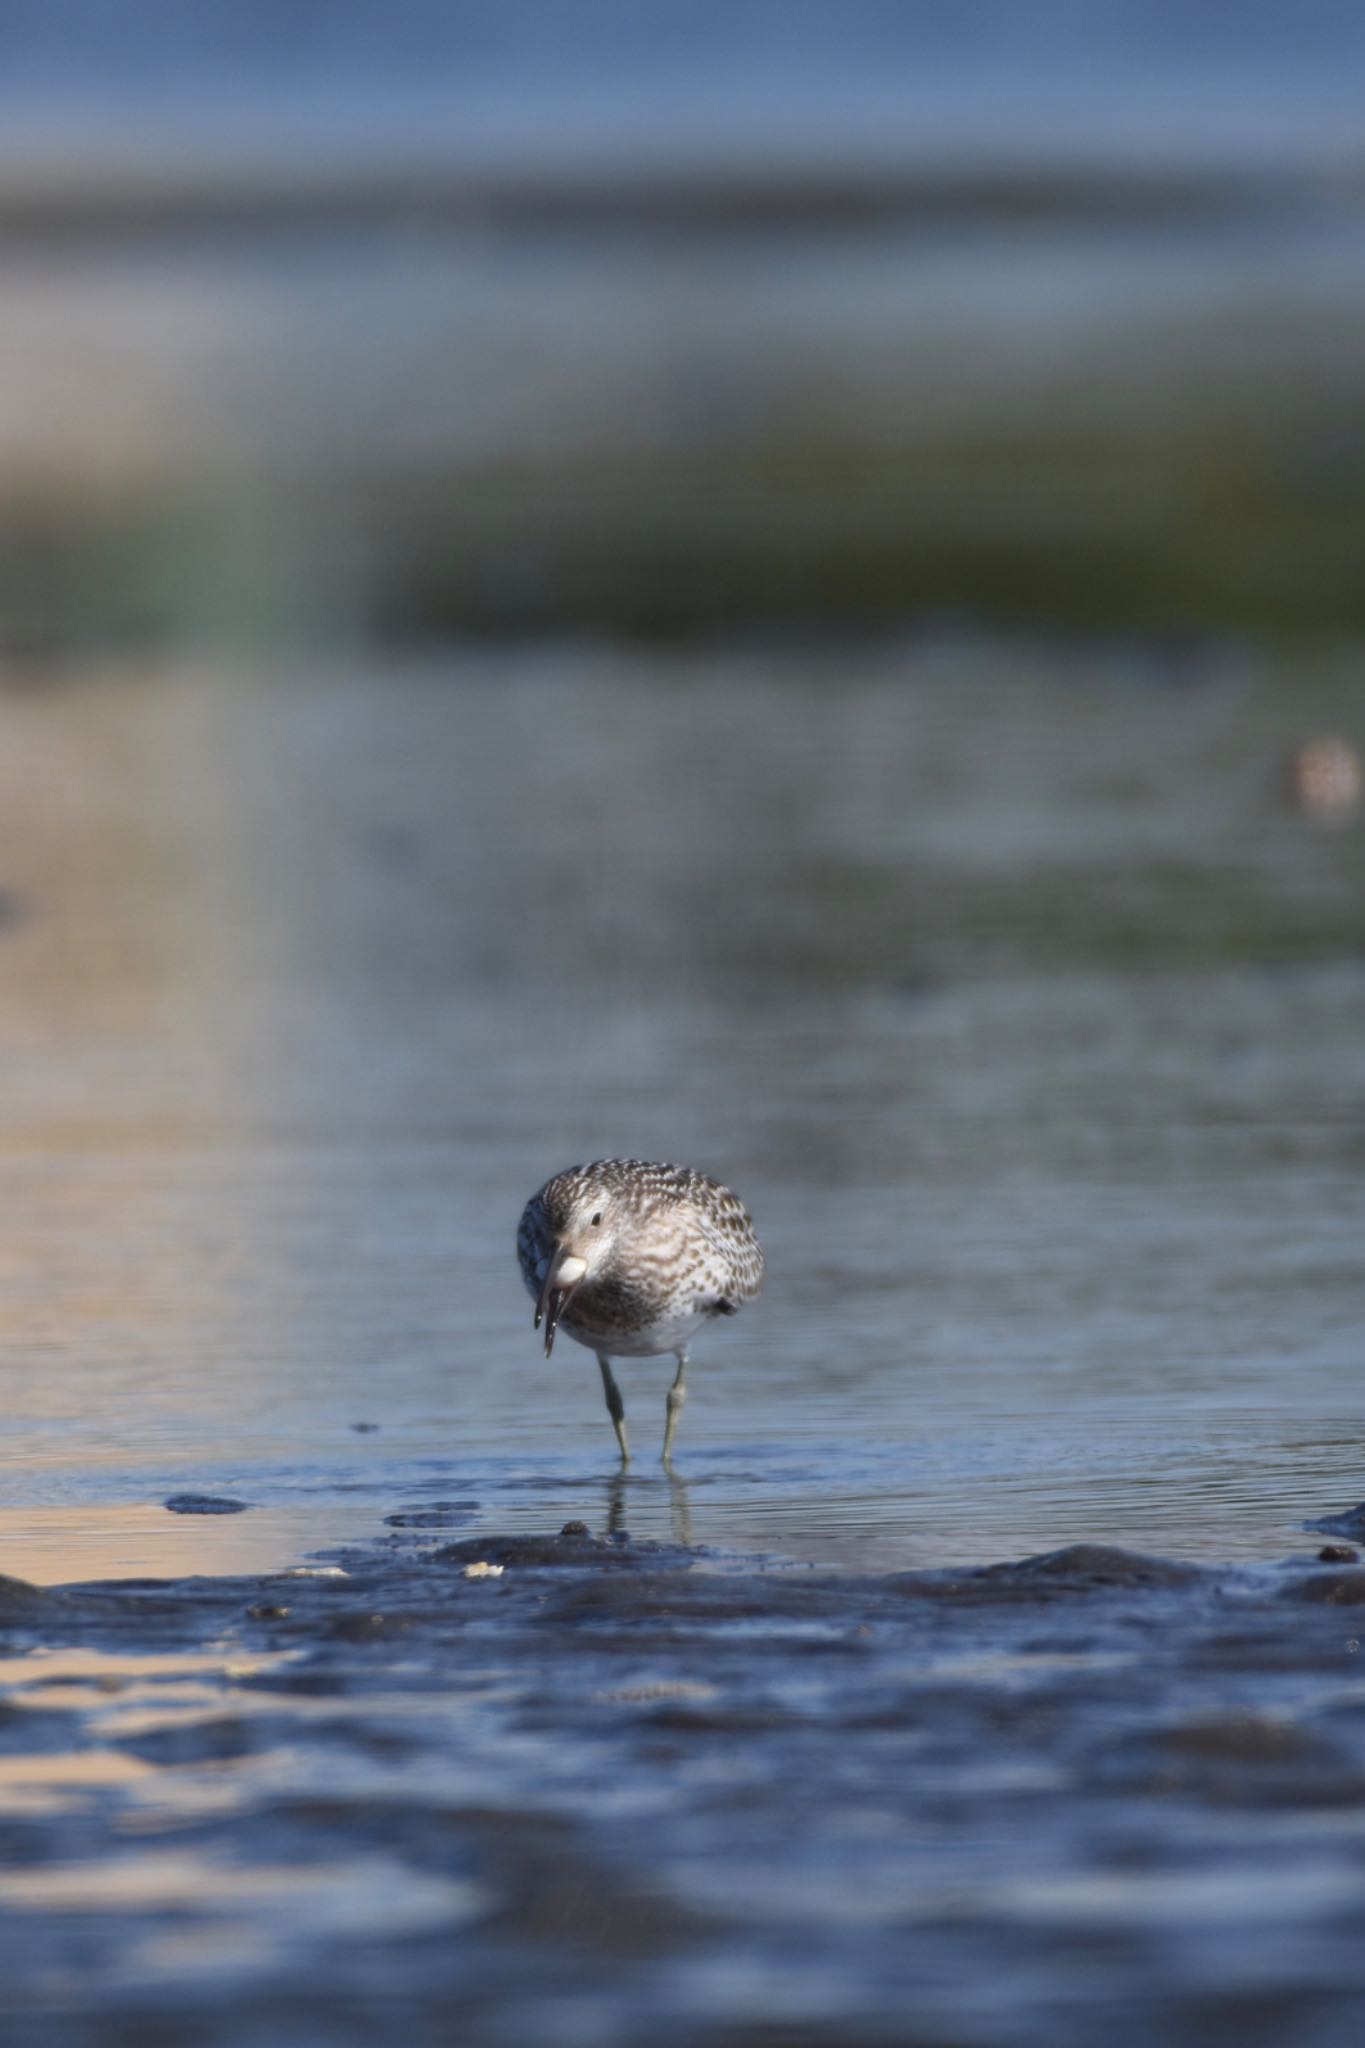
[[575, 1544], [1082, 1568], [530, 1789], [437, 1514], [1350, 1524], [21, 1602], [1330, 1589], [205, 1504]]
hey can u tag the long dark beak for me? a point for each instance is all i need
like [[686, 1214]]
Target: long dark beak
[[556, 1293]]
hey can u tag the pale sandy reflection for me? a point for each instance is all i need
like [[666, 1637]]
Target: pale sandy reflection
[[140, 1540], [110, 1701], [62, 1784], [69, 1677], [354, 1897], [105, 1691], [134, 1303]]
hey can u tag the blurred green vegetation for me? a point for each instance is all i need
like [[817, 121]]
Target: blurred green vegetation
[[1194, 529], [1253, 526]]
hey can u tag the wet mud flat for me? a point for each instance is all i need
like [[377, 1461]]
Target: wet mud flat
[[573, 1788]]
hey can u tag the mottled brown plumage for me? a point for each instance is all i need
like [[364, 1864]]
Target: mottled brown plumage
[[630, 1258]]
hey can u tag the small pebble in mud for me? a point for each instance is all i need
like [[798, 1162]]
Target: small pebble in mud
[[1338, 1553], [364, 1428], [206, 1504]]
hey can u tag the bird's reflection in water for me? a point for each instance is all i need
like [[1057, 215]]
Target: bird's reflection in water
[[679, 1506]]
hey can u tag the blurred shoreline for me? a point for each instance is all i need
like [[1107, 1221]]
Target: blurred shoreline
[[855, 340], [125, 197]]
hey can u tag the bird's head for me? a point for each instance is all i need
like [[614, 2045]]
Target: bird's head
[[583, 1218]]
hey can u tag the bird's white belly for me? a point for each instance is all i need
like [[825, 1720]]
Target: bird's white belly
[[669, 1335]]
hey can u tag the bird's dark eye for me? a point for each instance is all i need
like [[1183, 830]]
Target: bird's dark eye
[[597, 1219]]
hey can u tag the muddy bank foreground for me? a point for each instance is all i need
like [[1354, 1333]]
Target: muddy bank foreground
[[581, 1789]]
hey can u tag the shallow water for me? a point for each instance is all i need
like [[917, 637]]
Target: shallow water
[[598, 1793], [995, 976]]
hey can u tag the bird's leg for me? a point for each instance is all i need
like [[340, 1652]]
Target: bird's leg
[[616, 1407], [677, 1394]]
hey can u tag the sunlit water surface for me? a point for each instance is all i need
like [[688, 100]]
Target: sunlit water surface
[[998, 979]]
